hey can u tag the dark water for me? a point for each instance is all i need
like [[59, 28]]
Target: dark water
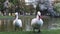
[[49, 23]]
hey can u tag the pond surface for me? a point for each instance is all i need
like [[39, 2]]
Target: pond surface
[[49, 23]]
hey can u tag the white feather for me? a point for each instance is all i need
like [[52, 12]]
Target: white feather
[[17, 21], [37, 20]]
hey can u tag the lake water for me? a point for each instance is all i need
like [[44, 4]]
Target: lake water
[[49, 23]]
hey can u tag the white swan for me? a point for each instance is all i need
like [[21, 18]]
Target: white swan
[[37, 22], [17, 22]]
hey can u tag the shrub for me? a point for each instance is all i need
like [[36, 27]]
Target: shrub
[[57, 7]]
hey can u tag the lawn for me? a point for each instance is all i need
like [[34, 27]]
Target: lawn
[[30, 32]]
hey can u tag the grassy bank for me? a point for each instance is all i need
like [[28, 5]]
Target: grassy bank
[[2, 17], [30, 32], [13, 16]]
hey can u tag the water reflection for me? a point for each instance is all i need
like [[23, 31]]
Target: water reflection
[[7, 24]]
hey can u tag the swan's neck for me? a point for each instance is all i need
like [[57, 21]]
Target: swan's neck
[[16, 16], [38, 17]]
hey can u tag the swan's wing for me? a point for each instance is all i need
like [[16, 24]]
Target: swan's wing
[[20, 22], [33, 21], [41, 22]]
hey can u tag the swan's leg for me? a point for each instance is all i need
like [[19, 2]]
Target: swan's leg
[[39, 30], [15, 28], [20, 29], [33, 29]]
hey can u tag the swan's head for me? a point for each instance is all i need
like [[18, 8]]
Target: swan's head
[[16, 13], [39, 13]]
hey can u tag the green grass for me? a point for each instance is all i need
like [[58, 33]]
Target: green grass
[[30, 32], [51, 32], [13, 16], [6, 16]]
